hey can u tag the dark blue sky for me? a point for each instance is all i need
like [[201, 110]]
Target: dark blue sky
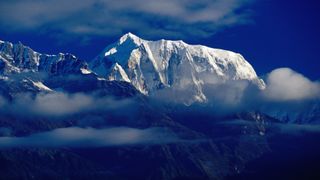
[[285, 34], [269, 33]]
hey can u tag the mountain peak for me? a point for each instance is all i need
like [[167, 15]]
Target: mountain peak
[[154, 65], [131, 37]]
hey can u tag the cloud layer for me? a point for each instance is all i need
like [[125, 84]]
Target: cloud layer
[[288, 96], [287, 92], [90, 137], [59, 104], [152, 18]]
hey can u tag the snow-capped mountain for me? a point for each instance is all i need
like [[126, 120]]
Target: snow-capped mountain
[[153, 65], [17, 58], [25, 70], [148, 65], [205, 146]]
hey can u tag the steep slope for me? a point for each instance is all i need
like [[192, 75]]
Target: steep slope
[[154, 65]]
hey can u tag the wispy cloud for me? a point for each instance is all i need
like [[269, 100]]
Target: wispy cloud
[[90, 137], [152, 18], [298, 129], [59, 104]]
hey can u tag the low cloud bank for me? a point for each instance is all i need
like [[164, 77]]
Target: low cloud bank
[[287, 94], [284, 88], [58, 104], [282, 85], [90, 137]]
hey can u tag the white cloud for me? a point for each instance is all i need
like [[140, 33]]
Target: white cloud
[[284, 84], [58, 104], [165, 18], [51, 104]]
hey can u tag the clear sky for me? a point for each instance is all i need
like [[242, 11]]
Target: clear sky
[[269, 33]]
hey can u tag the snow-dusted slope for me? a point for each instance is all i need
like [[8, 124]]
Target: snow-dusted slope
[[154, 65]]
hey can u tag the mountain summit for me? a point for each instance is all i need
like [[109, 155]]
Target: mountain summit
[[154, 65]]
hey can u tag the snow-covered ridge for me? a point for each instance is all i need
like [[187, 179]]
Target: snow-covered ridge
[[16, 58], [154, 65], [23, 69]]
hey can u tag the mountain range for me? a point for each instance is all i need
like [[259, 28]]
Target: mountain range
[[160, 68], [170, 88], [149, 66]]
